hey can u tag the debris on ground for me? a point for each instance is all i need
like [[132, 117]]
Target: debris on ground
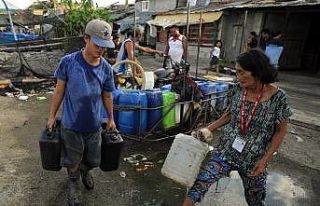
[[139, 162], [23, 97], [41, 98], [123, 174]]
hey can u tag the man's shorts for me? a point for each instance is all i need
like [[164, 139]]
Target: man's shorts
[[80, 147]]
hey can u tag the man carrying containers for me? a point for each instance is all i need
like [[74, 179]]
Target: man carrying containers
[[84, 78]]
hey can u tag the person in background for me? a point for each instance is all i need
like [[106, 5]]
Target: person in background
[[84, 81], [264, 39], [254, 129], [252, 41], [177, 45], [112, 53], [129, 45], [276, 38], [215, 55]]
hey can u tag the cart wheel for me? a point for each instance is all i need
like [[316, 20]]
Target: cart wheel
[[131, 80]]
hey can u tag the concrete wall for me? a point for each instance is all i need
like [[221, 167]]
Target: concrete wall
[[192, 54], [162, 5]]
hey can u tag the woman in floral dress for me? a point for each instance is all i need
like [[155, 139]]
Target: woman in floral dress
[[254, 129]]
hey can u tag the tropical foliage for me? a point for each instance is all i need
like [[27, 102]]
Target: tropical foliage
[[79, 14]]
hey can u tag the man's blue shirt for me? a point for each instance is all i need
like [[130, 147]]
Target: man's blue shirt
[[83, 91]]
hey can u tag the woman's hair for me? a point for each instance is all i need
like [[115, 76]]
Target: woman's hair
[[258, 64], [217, 41]]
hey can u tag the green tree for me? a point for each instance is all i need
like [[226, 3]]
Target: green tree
[[80, 14]]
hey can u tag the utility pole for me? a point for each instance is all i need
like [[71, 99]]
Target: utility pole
[[199, 44], [188, 19]]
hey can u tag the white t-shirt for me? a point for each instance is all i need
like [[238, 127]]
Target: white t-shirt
[[215, 52], [176, 48]]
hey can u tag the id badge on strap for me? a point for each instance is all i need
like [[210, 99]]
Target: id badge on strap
[[239, 144]]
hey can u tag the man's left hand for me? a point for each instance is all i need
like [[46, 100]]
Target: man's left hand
[[259, 168]]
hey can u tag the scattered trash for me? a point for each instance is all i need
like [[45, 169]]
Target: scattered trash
[[139, 162], [299, 139], [25, 123], [9, 94], [135, 159], [161, 161], [141, 168], [123, 174], [293, 131], [23, 98], [41, 98]]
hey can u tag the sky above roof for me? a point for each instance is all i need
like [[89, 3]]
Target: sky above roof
[[23, 4]]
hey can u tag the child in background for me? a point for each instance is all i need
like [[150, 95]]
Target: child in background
[[214, 55]]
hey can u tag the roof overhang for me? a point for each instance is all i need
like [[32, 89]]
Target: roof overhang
[[180, 19]]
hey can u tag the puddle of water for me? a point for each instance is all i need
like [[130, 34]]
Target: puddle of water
[[281, 191]]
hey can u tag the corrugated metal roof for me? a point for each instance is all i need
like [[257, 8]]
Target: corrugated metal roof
[[244, 4], [274, 3], [127, 23]]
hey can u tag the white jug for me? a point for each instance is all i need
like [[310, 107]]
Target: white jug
[[184, 159]]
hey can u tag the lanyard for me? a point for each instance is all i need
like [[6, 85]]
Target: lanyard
[[244, 126]]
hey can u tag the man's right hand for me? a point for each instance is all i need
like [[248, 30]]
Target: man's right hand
[[51, 123]]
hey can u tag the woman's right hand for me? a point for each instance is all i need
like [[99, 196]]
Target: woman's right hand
[[204, 134]]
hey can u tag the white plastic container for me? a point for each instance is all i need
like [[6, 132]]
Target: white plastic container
[[184, 159], [178, 109]]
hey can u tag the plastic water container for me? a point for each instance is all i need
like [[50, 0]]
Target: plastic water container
[[222, 90], [184, 159], [168, 111], [50, 148], [148, 80], [213, 88], [129, 120], [204, 88], [111, 147], [154, 100], [115, 97], [167, 87], [178, 109]]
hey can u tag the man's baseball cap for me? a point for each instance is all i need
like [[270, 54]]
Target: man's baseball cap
[[100, 33]]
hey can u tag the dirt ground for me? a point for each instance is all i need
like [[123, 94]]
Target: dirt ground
[[294, 173]]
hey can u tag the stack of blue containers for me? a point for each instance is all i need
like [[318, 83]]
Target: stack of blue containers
[[103, 113], [222, 102], [154, 101], [215, 91], [131, 121]]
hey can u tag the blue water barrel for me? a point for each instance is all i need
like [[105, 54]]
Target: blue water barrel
[[166, 87], [222, 90], [115, 97], [129, 120], [154, 100], [207, 87]]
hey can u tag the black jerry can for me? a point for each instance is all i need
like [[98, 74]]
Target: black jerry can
[[50, 148], [111, 147]]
